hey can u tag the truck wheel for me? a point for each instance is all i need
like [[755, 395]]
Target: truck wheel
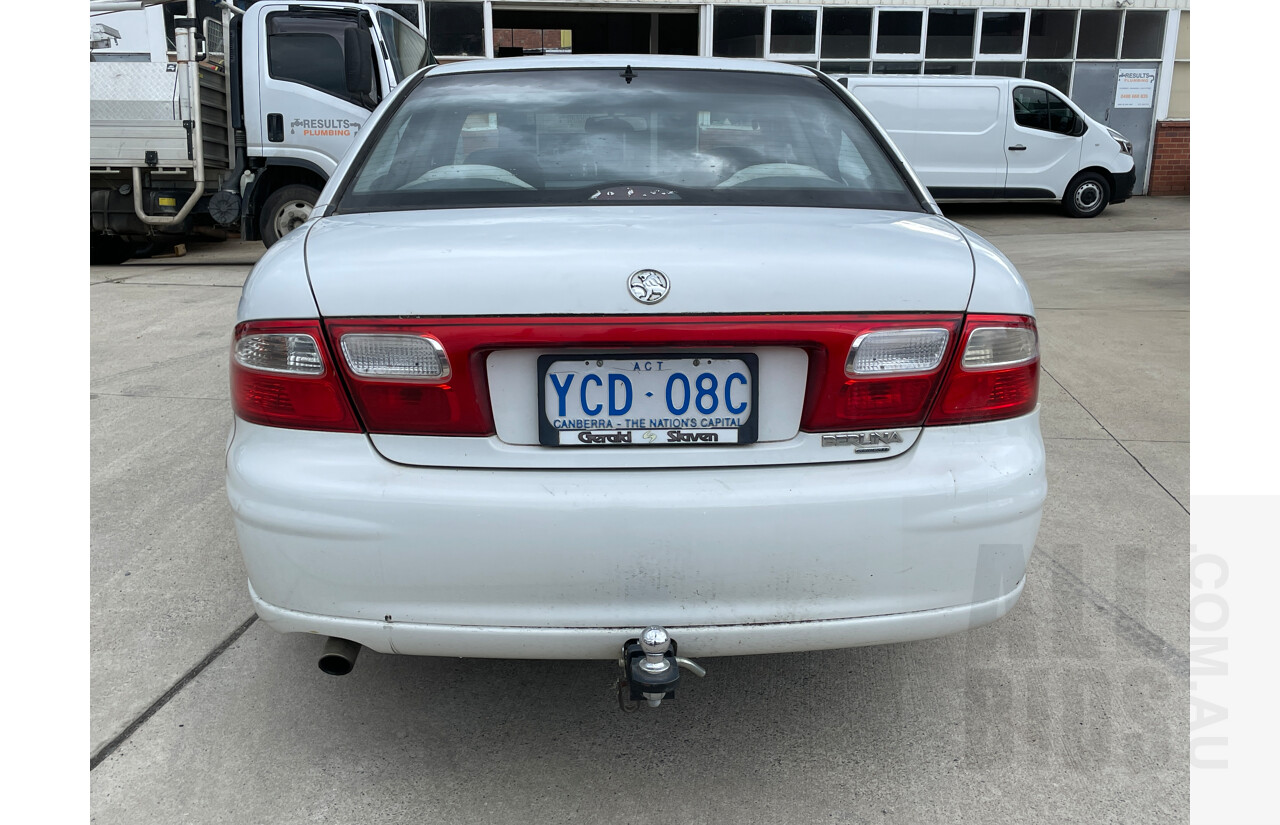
[[1087, 195], [109, 250], [286, 210]]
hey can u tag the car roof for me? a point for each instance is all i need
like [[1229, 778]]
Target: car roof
[[618, 61]]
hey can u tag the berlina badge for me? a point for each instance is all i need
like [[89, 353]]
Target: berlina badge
[[648, 286]]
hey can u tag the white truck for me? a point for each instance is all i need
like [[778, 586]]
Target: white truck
[[232, 119]]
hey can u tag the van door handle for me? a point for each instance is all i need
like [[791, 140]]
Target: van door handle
[[1018, 148]]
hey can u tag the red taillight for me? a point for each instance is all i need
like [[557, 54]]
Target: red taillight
[[461, 406], [886, 379], [282, 376], [876, 402], [443, 409], [426, 379], [995, 374], [427, 376]]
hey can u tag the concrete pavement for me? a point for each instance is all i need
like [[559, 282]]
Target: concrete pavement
[[1071, 709]]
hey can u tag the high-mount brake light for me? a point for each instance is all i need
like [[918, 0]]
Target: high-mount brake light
[[281, 377], [997, 375]]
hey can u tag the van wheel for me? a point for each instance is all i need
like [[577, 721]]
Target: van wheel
[[1087, 195], [286, 210]]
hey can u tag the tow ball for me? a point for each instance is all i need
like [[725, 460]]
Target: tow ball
[[651, 669]]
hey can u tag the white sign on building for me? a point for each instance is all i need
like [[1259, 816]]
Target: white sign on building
[[1135, 88]]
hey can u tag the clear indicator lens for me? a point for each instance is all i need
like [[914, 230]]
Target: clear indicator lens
[[991, 347], [396, 357], [296, 354], [896, 351]]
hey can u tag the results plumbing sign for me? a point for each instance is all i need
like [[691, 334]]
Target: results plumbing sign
[[1135, 88]]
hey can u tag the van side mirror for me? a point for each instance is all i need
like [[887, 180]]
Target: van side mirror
[[357, 44], [1080, 127]]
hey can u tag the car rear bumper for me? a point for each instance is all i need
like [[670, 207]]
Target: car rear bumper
[[569, 564], [487, 642]]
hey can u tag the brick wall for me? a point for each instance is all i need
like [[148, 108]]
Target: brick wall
[[1171, 160]]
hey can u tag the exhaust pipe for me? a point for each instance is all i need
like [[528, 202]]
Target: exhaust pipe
[[338, 656]]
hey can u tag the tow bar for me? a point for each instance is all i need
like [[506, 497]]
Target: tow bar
[[651, 669]]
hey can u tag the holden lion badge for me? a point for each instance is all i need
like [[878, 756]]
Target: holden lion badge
[[648, 286]]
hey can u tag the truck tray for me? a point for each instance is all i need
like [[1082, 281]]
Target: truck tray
[[133, 109]]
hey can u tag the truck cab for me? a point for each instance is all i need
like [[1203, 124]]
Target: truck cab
[[241, 125], [311, 75]]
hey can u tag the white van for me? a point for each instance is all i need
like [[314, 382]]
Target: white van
[[999, 138]]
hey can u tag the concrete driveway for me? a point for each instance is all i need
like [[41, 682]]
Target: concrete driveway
[[1071, 709]]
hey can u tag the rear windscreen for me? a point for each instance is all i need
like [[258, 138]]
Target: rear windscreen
[[583, 136]]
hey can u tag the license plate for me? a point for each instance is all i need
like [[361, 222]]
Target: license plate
[[647, 399]]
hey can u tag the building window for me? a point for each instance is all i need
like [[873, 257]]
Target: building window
[[204, 8], [456, 29], [793, 31], [950, 33], [1099, 35], [1052, 35], [1143, 35], [1056, 74], [1000, 68], [891, 67], [948, 67], [1002, 33], [738, 31], [840, 67], [846, 33], [899, 32]]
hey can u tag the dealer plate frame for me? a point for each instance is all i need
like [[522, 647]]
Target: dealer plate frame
[[748, 433]]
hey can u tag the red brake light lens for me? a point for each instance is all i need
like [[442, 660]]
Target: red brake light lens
[[427, 376], [997, 374], [889, 377], [414, 378], [892, 393], [281, 377]]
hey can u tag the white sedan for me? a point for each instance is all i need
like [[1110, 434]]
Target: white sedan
[[573, 347]]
